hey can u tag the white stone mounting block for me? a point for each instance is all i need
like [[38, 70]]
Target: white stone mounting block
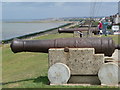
[[109, 74], [59, 73]]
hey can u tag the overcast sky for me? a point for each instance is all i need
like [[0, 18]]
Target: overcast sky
[[41, 10]]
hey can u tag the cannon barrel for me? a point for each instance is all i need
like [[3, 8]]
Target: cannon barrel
[[101, 45], [71, 30]]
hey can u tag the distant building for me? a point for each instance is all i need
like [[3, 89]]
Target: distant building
[[117, 19]]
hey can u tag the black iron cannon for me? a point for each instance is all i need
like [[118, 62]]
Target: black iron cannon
[[101, 45], [71, 30]]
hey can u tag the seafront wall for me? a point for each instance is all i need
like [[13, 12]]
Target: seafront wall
[[34, 34]]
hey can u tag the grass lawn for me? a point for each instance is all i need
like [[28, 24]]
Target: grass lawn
[[29, 70]]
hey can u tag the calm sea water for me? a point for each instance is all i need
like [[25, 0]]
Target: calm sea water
[[11, 30]]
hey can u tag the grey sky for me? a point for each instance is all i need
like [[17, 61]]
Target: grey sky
[[40, 10]]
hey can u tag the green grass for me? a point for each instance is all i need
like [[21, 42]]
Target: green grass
[[29, 70], [24, 66], [54, 36], [116, 38]]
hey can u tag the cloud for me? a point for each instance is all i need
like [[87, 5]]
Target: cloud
[[59, 4], [37, 10]]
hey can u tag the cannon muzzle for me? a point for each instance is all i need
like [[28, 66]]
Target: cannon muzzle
[[105, 46], [17, 45]]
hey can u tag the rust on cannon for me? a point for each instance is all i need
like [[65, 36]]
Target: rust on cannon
[[101, 45]]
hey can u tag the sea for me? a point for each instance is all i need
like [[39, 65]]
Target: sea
[[12, 29]]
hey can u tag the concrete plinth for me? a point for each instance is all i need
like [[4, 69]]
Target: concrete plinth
[[77, 34], [111, 59], [81, 61]]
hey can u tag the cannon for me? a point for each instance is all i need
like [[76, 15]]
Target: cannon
[[105, 46], [71, 30]]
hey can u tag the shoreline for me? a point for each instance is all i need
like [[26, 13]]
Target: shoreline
[[36, 34]]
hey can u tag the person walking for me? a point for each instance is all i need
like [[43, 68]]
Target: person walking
[[100, 27], [104, 27]]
